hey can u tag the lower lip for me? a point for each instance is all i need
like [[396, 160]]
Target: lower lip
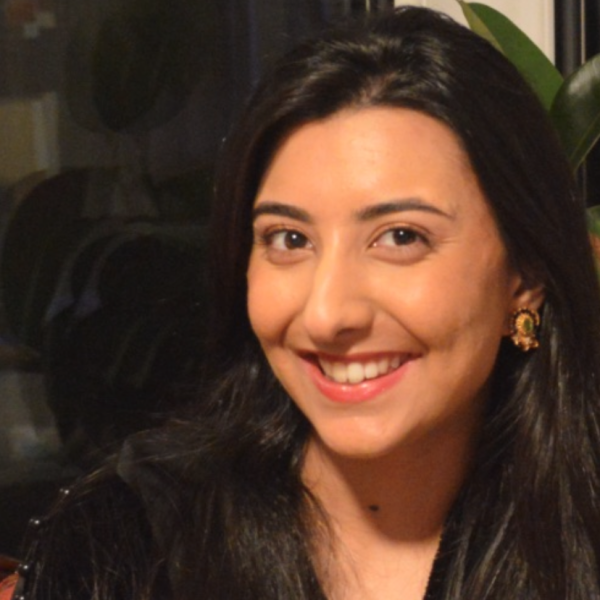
[[347, 393]]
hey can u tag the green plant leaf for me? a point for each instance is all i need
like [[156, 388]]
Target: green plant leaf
[[532, 63], [593, 224], [477, 25], [593, 220], [576, 111]]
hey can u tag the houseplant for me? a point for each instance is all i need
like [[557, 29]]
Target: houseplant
[[573, 103]]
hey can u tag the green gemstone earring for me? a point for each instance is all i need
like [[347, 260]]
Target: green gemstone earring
[[524, 327]]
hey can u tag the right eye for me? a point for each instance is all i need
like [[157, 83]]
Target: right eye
[[286, 239]]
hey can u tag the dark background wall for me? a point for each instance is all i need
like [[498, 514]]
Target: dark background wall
[[112, 113]]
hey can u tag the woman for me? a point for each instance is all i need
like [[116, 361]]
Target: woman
[[395, 232]]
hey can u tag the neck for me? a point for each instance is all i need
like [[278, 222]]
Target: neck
[[405, 494], [389, 510]]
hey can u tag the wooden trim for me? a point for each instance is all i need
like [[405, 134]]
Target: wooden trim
[[592, 28], [377, 5], [569, 37]]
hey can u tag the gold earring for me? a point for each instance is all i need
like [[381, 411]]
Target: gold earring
[[524, 326]]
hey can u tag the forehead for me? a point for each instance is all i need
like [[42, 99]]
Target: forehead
[[370, 153]]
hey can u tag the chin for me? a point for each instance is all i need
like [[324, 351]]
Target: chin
[[358, 446]]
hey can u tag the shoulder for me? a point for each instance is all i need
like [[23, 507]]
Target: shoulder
[[95, 538], [110, 535]]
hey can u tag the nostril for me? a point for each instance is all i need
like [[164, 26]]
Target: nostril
[[326, 323]]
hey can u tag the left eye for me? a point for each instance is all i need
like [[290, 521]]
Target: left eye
[[399, 236], [287, 239]]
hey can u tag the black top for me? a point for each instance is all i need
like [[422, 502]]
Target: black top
[[130, 515]]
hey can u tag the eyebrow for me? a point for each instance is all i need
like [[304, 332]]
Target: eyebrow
[[366, 214], [386, 208], [281, 210]]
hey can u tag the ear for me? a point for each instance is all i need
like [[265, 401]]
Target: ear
[[529, 295], [525, 294]]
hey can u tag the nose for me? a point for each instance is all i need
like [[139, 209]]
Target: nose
[[338, 307]]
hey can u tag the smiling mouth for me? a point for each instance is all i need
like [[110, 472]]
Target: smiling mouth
[[355, 372]]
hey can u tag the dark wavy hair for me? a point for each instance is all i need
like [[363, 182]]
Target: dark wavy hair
[[218, 505]]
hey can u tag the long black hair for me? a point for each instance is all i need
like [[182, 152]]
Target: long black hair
[[219, 505]]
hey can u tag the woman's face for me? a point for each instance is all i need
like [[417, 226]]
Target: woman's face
[[378, 285]]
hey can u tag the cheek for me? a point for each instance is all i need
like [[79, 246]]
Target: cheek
[[271, 303], [464, 303], [258, 303]]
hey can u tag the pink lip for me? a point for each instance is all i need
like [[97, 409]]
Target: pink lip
[[347, 393]]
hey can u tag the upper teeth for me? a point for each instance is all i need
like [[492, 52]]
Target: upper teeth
[[356, 372]]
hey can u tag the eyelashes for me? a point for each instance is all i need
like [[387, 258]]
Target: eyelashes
[[284, 239], [400, 236], [282, 245], [401, 244]]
